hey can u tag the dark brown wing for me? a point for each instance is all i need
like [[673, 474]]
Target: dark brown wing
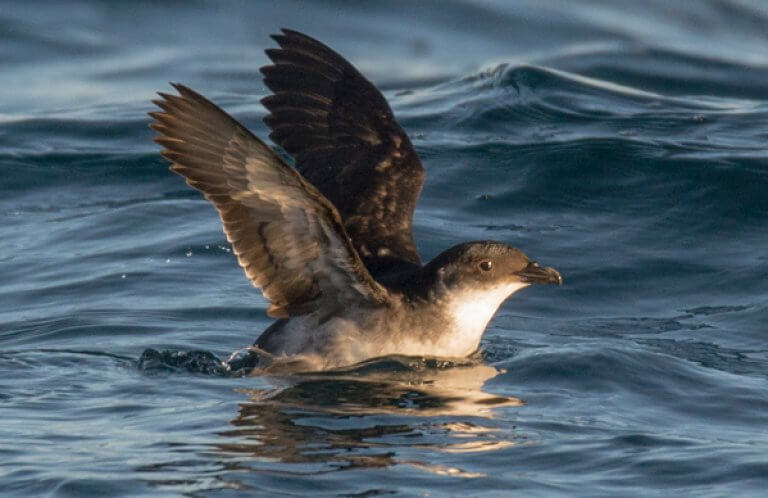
[[346, 142], [288, 238]]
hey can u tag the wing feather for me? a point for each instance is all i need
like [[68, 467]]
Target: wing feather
[[288, 238], [346, 142]]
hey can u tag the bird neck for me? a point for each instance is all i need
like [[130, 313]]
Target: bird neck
[[452, 320]]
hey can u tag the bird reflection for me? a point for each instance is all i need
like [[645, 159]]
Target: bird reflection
[[365, 416]]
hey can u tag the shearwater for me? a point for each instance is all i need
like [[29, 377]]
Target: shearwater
[[330, 241]]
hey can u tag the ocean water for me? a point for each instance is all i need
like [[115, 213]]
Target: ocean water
[[622, 142]]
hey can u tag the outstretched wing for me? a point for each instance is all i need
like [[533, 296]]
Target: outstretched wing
[[345, 140], [288, 238]]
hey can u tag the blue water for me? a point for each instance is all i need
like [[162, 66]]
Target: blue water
[[622, 142]]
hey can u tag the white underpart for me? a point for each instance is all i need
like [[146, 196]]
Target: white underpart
[[346, 340], [472, 310]]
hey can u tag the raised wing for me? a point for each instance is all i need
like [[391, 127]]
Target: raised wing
[[345, 140], [288, 238]]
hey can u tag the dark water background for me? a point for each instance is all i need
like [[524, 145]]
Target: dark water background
[[622, 142]]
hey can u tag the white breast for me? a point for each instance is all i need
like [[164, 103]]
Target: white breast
[[471, 311], [344, 341]]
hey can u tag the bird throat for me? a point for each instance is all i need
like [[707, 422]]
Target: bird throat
[[469, 312]]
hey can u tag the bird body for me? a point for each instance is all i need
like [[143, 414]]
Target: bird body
[[330, 241], [446, 326]]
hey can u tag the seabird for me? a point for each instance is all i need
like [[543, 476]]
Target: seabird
[[330, 241]]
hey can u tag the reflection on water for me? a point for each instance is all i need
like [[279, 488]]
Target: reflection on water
[[358, 418]]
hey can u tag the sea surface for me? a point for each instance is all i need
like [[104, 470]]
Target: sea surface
[[624, 143]]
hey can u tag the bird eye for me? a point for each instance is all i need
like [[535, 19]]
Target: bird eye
[[486, 265]]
